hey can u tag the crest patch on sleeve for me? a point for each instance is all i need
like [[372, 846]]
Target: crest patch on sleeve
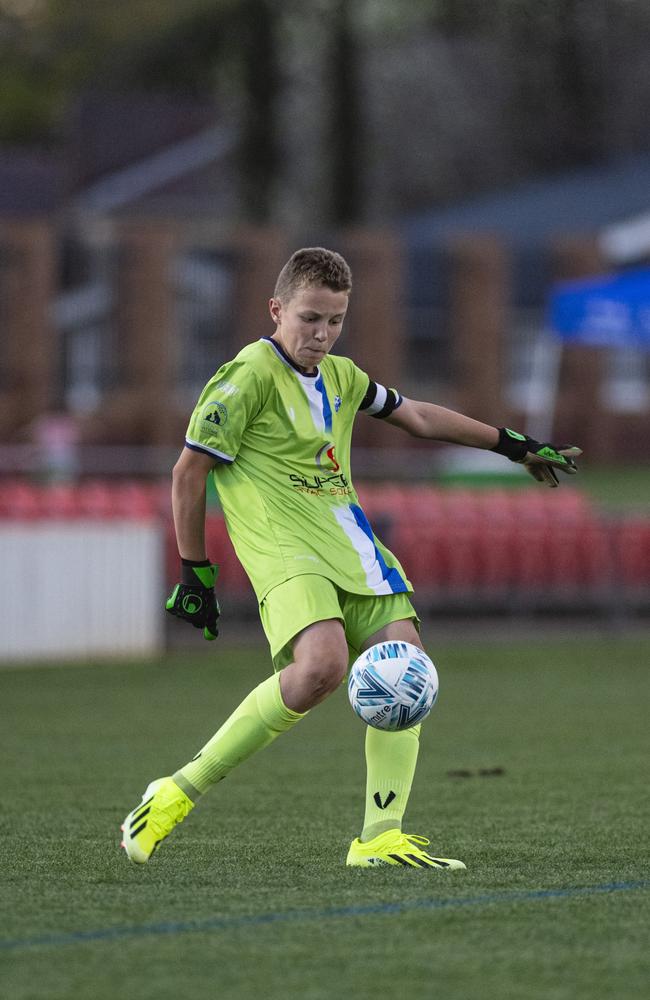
[[215, 414]]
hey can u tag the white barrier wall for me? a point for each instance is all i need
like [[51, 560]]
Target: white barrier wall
[[78, 588]]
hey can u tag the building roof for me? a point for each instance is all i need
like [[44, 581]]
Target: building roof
[[32, 182], [583, 200], [528, 217], [111, 131], [120, 150]]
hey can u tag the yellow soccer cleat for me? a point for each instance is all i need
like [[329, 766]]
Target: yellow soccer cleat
[[163, 806], [396, 848]]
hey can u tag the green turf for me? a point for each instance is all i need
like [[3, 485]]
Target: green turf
[[623, 486], [567, 723], [614, 487]]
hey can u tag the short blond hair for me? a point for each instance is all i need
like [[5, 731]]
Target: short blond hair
[[313, 266]]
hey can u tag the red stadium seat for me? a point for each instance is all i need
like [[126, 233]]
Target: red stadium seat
[[20, 500], [133, 499], [61, 500], [487, 543], [632, 547], [96, 499], [422, 557], [494, 543]]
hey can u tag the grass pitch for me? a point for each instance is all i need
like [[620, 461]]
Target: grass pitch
[[533, 769]]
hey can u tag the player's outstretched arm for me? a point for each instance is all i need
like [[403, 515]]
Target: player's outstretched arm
[[427, 420], [193, 599]]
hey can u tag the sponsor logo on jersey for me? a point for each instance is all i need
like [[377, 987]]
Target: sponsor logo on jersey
[[329, 480], [335, 484], [325, 458], [215, 413], [227, 388]]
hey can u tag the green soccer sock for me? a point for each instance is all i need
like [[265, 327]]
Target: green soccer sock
[[390, 760], [261, 717]]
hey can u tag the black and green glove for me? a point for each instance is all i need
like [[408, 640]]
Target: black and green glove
[[194, 599], [540, 460]]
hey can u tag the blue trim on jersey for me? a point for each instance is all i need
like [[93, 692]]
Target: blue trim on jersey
[[210, 454], [392, 576], [327, 409]]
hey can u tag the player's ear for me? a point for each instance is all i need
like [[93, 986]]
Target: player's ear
[[275, 308]]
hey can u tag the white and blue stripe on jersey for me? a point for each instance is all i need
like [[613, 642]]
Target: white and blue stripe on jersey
[[315, 391], [378, 401], [326, 409], [380, 578]]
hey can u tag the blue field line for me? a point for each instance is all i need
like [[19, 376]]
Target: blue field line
[[304, 916]]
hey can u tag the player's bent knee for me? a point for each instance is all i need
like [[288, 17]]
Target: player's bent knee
[[325, 676]]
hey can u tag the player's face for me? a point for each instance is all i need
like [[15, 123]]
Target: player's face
[[309, 324]]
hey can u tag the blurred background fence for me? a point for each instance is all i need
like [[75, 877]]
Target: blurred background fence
[[158, 164]]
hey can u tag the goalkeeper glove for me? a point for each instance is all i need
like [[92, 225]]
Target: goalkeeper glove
[[194, 599], [540, 460]]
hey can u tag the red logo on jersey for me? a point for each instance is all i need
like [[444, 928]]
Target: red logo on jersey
[[325, 453]]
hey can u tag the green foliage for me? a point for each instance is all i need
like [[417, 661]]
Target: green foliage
[[46, 58], [564, 721], [28, 106]]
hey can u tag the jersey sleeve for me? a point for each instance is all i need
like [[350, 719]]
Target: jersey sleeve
[[358, 383], [228, 403]]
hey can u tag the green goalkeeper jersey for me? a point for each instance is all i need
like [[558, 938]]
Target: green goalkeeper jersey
[[282, 441]]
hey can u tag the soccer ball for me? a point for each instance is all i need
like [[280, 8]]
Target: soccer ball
[[393, 685]]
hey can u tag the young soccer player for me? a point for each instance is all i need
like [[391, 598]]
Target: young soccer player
[[273, 427]]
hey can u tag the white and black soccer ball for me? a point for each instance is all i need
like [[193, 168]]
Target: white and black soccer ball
[[393, 685]]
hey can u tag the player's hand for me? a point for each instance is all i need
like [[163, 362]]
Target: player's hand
[[541, 462], [194, 599]]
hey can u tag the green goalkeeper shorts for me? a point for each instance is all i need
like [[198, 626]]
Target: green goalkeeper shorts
[[292, 606]]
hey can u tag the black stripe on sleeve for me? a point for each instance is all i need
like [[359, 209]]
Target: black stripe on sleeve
[[376, 395], [369, 397]]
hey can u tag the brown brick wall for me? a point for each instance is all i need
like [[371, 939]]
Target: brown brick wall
[[143, 409]]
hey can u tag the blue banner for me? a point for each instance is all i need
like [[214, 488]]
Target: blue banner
[[610, 311]]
